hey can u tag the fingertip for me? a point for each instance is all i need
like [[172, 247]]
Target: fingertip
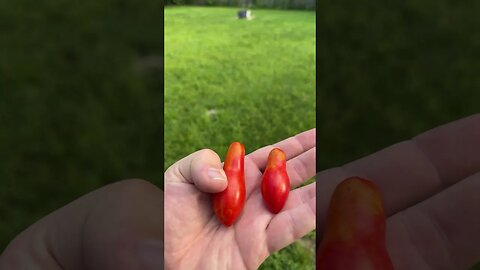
[[207, 172], [217, 174], [217, 179]]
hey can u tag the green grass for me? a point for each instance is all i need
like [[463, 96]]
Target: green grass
[[390, 70], [233, 80], [77, 110]]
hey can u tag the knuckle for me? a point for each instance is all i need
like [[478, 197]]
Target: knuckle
[[207, 152]]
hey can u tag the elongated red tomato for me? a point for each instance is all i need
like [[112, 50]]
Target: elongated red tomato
[[354, 235], [229, 203], [275, 181]]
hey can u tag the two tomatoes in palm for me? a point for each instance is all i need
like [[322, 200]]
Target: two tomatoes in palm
[[275, 185], [354, 237]]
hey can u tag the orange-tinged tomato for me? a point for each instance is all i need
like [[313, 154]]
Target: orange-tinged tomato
[[275, 181]]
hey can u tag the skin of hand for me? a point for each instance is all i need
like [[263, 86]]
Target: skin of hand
[[119, 226], [195, 239], [431, 189]]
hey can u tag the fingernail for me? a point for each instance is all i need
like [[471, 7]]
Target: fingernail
[[150, 255], [217, 174]]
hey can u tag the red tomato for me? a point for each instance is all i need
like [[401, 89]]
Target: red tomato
[[354, 236], [275, 181], [229, 203]]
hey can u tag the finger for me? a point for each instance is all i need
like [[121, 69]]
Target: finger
[[439, 233], [119, 226], [253, 177], [290, 225], [410, 172], [405, 172], [125, 228], [300, 196], [202, 168], [453, 149], [292, 147], [302, 167], [255, 210]]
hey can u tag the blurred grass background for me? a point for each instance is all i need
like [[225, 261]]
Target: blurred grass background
[[80, 102], [389, 70], [235, 80]]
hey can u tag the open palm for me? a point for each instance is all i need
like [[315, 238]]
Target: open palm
[[195, 239], [430, 186]]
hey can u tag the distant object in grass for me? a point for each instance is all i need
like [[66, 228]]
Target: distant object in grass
[[245, 14], [211, 112]]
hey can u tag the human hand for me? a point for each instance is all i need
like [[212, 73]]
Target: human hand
[[117, 227], [430, 185], [195, 239]]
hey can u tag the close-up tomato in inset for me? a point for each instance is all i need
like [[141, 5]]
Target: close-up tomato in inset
[[354, 236]]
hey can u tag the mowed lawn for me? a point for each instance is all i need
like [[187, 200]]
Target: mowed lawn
[[233, 80]]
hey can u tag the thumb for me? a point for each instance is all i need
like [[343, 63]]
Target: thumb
[[202, 168]]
